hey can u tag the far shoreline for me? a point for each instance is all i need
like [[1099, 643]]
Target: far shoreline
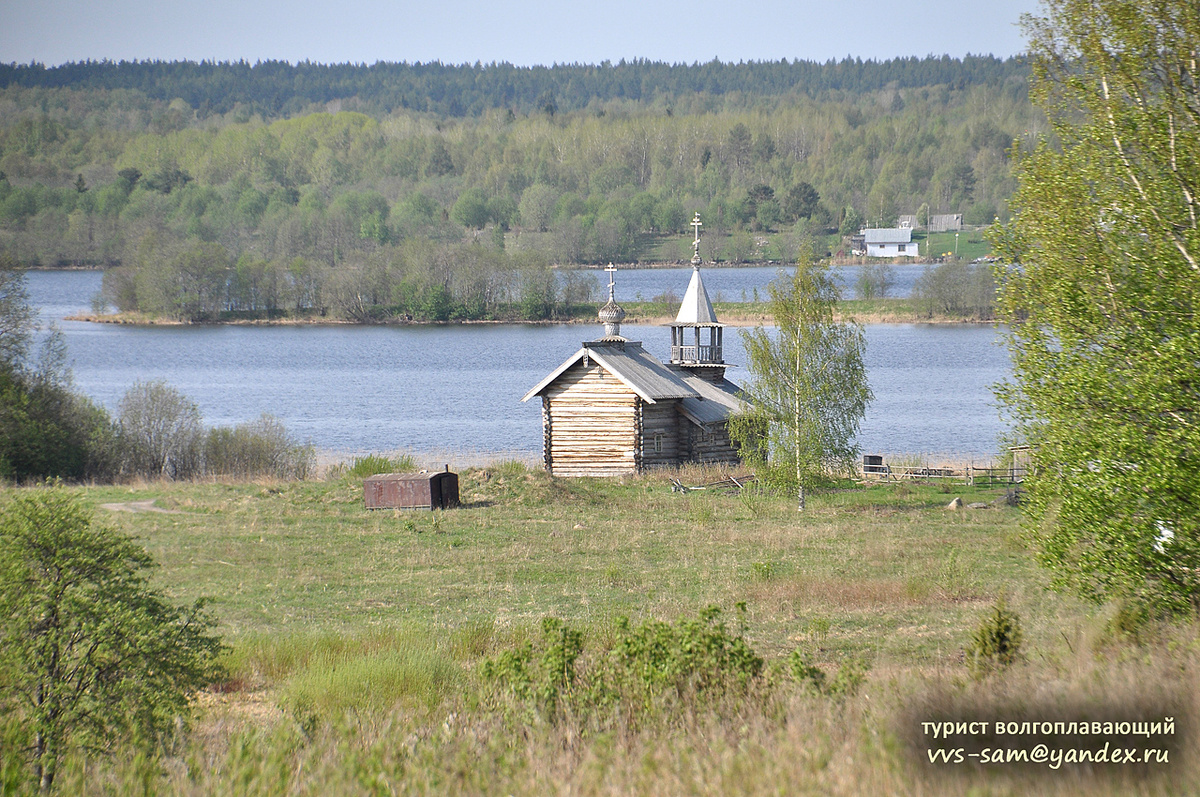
[[734, 314]]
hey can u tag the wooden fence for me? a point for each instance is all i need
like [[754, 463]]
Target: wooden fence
[[983, 477]]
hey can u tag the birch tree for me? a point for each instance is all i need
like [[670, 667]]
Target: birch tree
[[1103, 300], [809, 389]]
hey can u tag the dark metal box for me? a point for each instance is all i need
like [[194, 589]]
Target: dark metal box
[[411, 490]]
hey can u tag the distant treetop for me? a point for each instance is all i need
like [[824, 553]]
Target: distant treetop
[[279, 88]]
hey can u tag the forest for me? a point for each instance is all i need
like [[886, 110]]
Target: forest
[[430, 191]]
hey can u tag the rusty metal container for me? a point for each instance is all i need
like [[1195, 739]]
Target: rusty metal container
[[422, 490]]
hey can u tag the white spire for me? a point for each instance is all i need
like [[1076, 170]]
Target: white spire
[[696, 308]]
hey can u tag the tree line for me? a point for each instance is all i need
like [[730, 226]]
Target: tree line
[[50, 431], [475, 210], [279, 88]]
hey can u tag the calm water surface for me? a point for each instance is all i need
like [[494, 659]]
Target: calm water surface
[[447, 390], [738, 284]]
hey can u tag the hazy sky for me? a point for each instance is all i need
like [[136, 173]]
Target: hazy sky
[[523, 32]]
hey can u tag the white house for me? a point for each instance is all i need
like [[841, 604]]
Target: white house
[[889, 242]]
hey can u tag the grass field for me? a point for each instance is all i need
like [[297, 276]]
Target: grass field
[[971, 244], [358, 638], [877, 563]]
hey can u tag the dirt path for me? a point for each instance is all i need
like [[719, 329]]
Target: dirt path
[[140, 506]]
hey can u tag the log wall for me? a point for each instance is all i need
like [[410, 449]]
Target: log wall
[[659, 420], [709, 444], [590, 424]]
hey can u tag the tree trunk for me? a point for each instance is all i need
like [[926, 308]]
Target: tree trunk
[[796, 432]]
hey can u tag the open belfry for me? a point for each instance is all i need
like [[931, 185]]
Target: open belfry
[[613, 409]]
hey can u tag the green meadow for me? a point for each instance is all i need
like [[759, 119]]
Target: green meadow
[[554, 636]]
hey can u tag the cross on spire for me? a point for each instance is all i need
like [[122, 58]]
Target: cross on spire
[[696, 243], [612, 273]]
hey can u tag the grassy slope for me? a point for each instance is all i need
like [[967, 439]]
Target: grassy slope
[[893, 574], [357, 635]]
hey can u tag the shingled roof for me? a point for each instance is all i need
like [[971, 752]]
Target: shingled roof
[[716, 402], [632, 365]]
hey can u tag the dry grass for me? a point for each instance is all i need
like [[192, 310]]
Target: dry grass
[[308, 584]]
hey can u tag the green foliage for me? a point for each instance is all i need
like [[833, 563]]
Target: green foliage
[[46, 430], [849, 678], [549, 679], [996, 642], [874, 281], [805, 672], [258, 448], [1101, 301], [646, 668], [16, 314], [170, 185], [809, 390], [91, 655], [470, 209], [957, 289], [160, 432], [692, 656]]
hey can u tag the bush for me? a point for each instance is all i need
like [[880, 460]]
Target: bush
[[996, 643], [957, 288], [259, 448], [845, 683], [90, 654], [160, 432], [47, 431], [651, 666], [874, 281]]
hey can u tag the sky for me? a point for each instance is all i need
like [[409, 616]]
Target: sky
[[522, 32]]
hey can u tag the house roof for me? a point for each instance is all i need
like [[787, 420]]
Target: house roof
[[898, 235], [632, 365], [696, 309], [716, 402]]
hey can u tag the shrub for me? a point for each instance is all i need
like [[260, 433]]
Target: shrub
[[693, 656], [160, 432], [956, 288], [259, 448], [651, 667], [90, 654], [996, 643], [874, 281], [851, 675], [546, 680]]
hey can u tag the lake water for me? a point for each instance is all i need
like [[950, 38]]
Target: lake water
[[739, 284], [454, 391]]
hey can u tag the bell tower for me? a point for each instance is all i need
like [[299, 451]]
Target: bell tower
[[696, 336]]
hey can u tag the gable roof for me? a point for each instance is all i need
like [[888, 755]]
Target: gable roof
[[696, 309], [898, 235], [632, 366]]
